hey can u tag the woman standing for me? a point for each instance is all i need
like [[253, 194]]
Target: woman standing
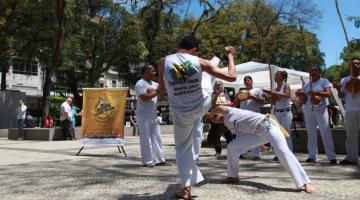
[[219, 97], [282, 108], [316, 115], [253, 103]]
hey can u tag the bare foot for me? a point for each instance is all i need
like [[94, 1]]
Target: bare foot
[[231, 180], [185, 193], [309, 189]]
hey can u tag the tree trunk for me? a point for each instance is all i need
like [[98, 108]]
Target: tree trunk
[[3, 77], [60, 7]]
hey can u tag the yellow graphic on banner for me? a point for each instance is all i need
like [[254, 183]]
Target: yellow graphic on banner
[[103, 113]]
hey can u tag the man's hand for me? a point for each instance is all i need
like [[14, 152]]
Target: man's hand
[[230, 50]]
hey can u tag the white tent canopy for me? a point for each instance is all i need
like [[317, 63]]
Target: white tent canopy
[[261, 76]]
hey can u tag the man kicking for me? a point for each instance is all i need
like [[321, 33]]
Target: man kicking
[[259, 129]]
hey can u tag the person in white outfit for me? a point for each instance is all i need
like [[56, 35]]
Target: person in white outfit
[[20, 116], [349, 88], [207, 83], [180, 75], [316, 115], [281, 100], [254, 129], [253, 103], [149, 127]]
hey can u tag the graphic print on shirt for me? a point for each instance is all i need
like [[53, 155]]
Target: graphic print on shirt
[[183, 71]]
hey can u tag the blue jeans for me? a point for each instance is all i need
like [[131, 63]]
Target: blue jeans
[[21, 127]]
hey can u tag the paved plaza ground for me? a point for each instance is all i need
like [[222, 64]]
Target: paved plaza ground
[[50, 170]]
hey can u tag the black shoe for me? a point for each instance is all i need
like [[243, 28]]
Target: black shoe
[[255, 158], [149, 165], [346, 162], [310, 160], [163, 164], [333, 161], [275, 158]]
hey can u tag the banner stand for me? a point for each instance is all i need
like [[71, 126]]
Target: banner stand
[[105, 142], [103, 118], [78, 153]]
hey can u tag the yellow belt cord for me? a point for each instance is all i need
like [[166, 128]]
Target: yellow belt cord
[[283, 130]]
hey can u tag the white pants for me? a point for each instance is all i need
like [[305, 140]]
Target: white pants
[[198, 137], [352, 123], [269, 133], [183, 134], [149, 130], [319, 118], [285, 119]]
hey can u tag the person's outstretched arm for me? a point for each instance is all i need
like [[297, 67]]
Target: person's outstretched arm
[[229, 75]]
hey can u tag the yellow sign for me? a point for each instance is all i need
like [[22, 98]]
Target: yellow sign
[[103, 113]]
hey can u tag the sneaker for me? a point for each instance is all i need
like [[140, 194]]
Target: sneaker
[[163, 164], [149, 165], [333, 161], [20, 138], [310, 160], [346, 162], [255, 157]]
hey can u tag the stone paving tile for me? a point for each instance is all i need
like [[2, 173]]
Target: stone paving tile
[[50, 170]]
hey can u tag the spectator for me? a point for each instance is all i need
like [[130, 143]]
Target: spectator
[[65, 119], [133, 122], [20, 115]]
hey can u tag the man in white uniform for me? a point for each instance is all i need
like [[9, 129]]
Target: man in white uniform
[[316, 115], [180, 74], [146, 117], [352, 112], [254, 129]]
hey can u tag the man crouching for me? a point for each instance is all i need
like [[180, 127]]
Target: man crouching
[[252, 130]]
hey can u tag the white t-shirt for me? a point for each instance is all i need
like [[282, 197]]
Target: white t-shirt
[[242, 121], [183, 82], [65, 108], [145, 109], [318, 86], [352, 102], [283, 102], [21, 111], [251, 104]]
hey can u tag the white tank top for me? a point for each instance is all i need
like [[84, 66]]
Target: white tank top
[[242, 121], [183, 77], [283, 102]]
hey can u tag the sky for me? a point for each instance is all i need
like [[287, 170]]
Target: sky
[[329, 31]]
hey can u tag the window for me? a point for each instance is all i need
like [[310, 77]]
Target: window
[[22, 66]]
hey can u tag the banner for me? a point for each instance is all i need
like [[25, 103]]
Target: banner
[[103, 116]]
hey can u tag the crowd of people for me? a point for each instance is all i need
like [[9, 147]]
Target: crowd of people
[[181, 76], [192, 93]]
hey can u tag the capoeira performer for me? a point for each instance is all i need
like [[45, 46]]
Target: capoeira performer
[[254, 129], [282, 109], [316, 115], [207, 83], [181, 75], [350, 89], [149, 127]]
